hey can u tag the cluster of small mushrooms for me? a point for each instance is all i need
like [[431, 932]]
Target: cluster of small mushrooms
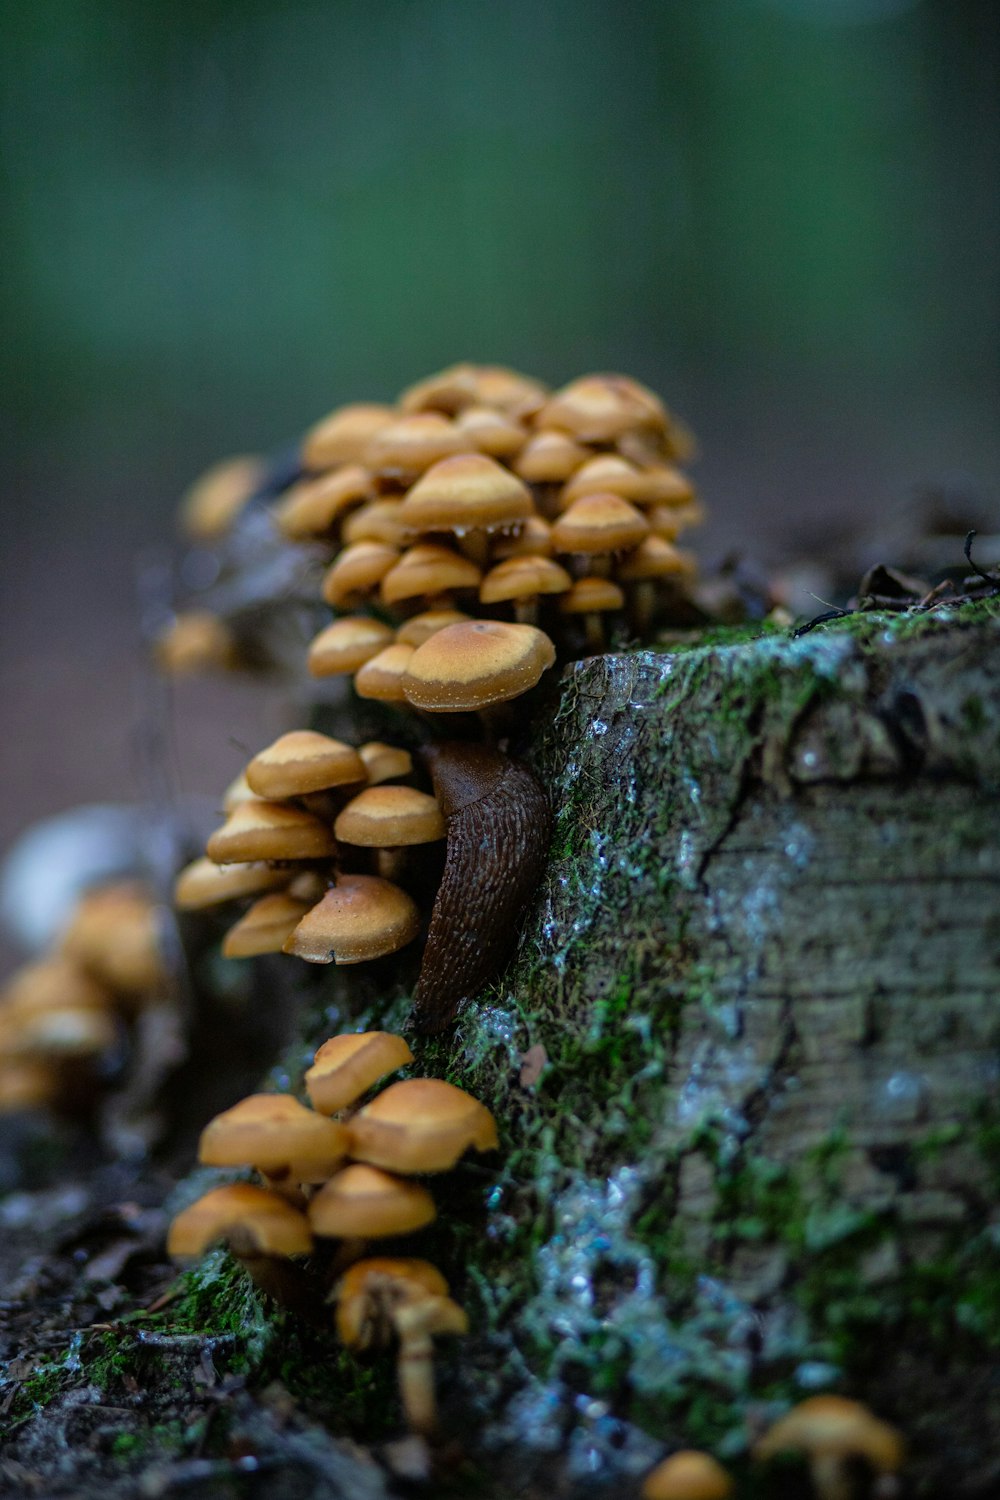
[[340, 1172], [314, 829], [547, 517], [65, 1017]]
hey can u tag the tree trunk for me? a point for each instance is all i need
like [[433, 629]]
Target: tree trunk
[[762, 1156]]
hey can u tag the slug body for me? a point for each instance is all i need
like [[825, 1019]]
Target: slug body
[[498, 835]]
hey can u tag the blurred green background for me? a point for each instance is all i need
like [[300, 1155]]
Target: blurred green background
[[223, 217]]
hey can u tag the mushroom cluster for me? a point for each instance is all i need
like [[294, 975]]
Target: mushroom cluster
[[64, 1017], [320, 835], [478, 494], [340, 1172], [481, 493]]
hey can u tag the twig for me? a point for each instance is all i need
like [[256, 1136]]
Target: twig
[[967, 549]]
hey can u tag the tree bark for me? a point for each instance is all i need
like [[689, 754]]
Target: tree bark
[[762, 1156]]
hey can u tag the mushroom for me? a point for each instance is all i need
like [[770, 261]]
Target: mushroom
[[356, 572], [265, 927], [378, 521], [490, 431], [687, 1475], [343, 436], [347, 644], [521, 581], [303, 761], [470, 495], [115, 933], [385, 762], [364, 1203], [404, 448], [270, 830], [279, 1136], [419, 628], [347, 1066], [379, 1298], [603, 408], [550, 458], [213, 502], [596, 526], [592, 598], [313, 507], [196, 640], [389, 819], [428, 571], [420, 1125], [262, 1230], [831, 1431], [381, 678], [475, 664], [203, 883], [359, 918]]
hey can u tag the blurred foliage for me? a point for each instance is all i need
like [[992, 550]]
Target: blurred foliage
[[224, 216]]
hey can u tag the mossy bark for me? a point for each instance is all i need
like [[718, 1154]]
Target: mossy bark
[[763, 1152]]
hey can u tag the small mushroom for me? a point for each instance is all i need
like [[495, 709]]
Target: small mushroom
[[343, 436], [270, 831], [389, 819], [265, 927], [303, 761], [597, 526], [687, 1475], [385, 762], [407, 446], [521, 581], [277, 1135], [419, 628], [262, 1230], [196, 640], [421, 1125], [382, 677], [359, 918], [356, 573], [213, 502], [473, 665], [115, 934], [347, 1066], [346, 645], [428, 571], [470, 495], [203, 883], [313, 507], [592, 598], [364, 1203], [831, 1431], [381, 1298], [550, 457]]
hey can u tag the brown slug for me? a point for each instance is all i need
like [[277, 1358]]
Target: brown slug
[[498, 834]]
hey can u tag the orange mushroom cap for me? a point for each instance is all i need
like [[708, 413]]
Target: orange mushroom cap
[[421, 1125]]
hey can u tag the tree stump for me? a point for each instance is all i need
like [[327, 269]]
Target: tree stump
[[746, 1061]]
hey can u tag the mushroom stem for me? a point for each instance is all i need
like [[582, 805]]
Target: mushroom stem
[[642, 603], [830, 1478], [390, 863], [593, 627], [415, 1365], [475, 545], [526, 610]]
